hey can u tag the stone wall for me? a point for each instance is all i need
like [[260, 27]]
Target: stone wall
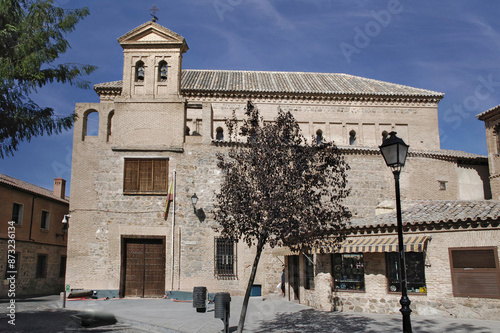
[[438, 299]]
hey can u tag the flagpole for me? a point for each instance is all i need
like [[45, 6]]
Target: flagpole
[[173, 234]]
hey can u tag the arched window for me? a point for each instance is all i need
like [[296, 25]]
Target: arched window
[[110, 125], [219, 134], [352, 137], [319, 136], [385, 134], [497, 133], [188, 131], [162, 71], [139, 71], [90, 123]]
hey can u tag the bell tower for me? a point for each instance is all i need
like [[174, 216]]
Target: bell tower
[[152, 62], [491, 120]]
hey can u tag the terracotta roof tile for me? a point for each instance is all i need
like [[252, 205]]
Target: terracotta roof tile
[[427, 212], [287, 82], [22, 185]]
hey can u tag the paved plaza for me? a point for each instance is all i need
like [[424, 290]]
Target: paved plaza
[[266, 314]]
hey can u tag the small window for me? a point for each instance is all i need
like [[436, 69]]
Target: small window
[[17, 213], [139, 71], [309, 266], [319, 137], [475, 272], [41, 266], [62, 267], [225, 258], [348, 271], [145, 176], [219, 134], [415, 272], [12, 266], [442, 185], [162, 71], [45, 221], [352, 138], [385, 134]]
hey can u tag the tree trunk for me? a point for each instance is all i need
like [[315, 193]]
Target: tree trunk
[[260, 246]]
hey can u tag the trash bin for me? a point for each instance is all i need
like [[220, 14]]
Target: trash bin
[[222, 308], [200, 299]]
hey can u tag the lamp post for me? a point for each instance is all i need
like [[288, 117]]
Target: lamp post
[[394, 150], [194, 200]]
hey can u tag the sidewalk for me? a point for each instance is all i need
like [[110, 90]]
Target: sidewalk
[[265, 314], [269, 314]]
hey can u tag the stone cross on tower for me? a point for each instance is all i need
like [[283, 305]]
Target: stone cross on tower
[[154, 9]]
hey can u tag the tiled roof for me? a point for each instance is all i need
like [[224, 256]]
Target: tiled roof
[[429, 212], [22, 185], [442, 153], [483, 115], [287, 82]]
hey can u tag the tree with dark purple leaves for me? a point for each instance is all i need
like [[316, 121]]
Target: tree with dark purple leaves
[[280, 190]]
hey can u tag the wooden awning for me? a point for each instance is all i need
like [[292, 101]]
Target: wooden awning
[[379, 244]]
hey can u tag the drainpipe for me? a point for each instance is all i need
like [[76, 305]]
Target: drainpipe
[[173, 235], [31, 219]]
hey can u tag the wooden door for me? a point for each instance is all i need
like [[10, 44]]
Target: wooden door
[[144, 274]]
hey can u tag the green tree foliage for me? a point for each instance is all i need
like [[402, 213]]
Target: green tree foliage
[[31, 39], [280, 190]]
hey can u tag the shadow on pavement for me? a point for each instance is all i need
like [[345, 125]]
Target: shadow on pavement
[[313, 321]]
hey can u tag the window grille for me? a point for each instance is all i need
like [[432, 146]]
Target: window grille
[[225, 258]]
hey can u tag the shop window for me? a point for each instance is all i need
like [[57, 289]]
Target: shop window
[[12, 266], [41, 266], [62, 267], [225, 258], [17, 213], [45, 220], [475, 272], [145, 176], [309, 273], [348, 271], [415, 272]]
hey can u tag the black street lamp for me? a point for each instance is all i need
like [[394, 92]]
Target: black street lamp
[[394, 150]]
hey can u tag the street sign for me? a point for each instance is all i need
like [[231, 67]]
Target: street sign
[[68, 289]]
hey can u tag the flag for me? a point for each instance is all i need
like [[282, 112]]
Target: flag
[[170, 197]]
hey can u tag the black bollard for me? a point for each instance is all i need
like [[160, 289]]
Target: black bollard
[[222, 308]]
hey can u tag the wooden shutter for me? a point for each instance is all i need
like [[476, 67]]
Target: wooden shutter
[[475, 272], [130, 182], [145, 176]]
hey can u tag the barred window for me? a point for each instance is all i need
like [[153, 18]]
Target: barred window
[[225, 258], [145, 176]]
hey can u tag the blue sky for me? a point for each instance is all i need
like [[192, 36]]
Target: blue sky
[[450, 46]]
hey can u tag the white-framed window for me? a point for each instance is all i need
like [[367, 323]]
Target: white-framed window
[[45, 220]]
